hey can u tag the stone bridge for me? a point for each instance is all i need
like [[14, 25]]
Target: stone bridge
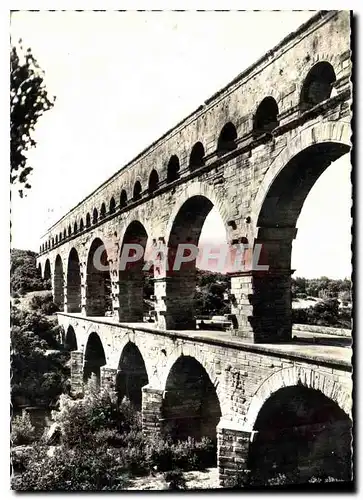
[[253, 150]]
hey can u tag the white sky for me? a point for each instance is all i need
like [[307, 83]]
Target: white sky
[[121, 80]]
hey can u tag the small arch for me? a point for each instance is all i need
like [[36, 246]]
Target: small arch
[[75, 228], [60, 236], [173, 169], [95, 216], [56, 239], [112, 205], [94, 358], [317, 86], [70, 341], [59, 283], [53, 242], [190, 406], [227, 138], [81, 225], [123, 199], [137, 191], [131, 375], [103, 211], [69, 230], [88, 220], [196, 159], [265, 119], [65, 233], [153, 181]]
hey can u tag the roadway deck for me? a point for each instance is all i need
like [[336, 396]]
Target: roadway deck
[[322, 348]]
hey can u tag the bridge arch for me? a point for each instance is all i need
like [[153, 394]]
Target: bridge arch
[[59, 283], [317, 85], [153, 181], [173, 169], [98, 280], [266, 116], [70, 341], [112, 206], [196, 158], [103, 211], [47, 270], [275, 212], [301, 425], [131, 274], [295, 376], [95, 216], [123, 199], [184, 227], [131, 375], [73, 282], [94, 358], [137, 191], [227, 138], [190, 405]]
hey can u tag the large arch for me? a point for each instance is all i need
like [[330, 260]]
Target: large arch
[[131, 274], [94, 358], [190, 405], [275, 211], [73, 282], [70, 341], [98, 287], [301, 433], [59, 283], [131, 375], [185, 228]]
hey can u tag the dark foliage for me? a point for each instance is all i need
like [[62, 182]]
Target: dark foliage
[[28, 101], [24, 274], [38, 376]]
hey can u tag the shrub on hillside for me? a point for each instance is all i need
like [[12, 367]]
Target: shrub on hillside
[[22, 430], [88, 419], [72, 470], [43, 303], [24, 274]]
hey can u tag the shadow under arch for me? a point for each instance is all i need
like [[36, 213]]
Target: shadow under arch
[[131, 375], [73, 282], [190, 406], [59, 283], [131, 274], [94, 358], [98, 295], [70, 341], [301, 433]]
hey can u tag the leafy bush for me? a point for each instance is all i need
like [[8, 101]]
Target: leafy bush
[[96, 417], [99, 469], [24, 274], [37, 378], [22, 430], [43, 303]]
